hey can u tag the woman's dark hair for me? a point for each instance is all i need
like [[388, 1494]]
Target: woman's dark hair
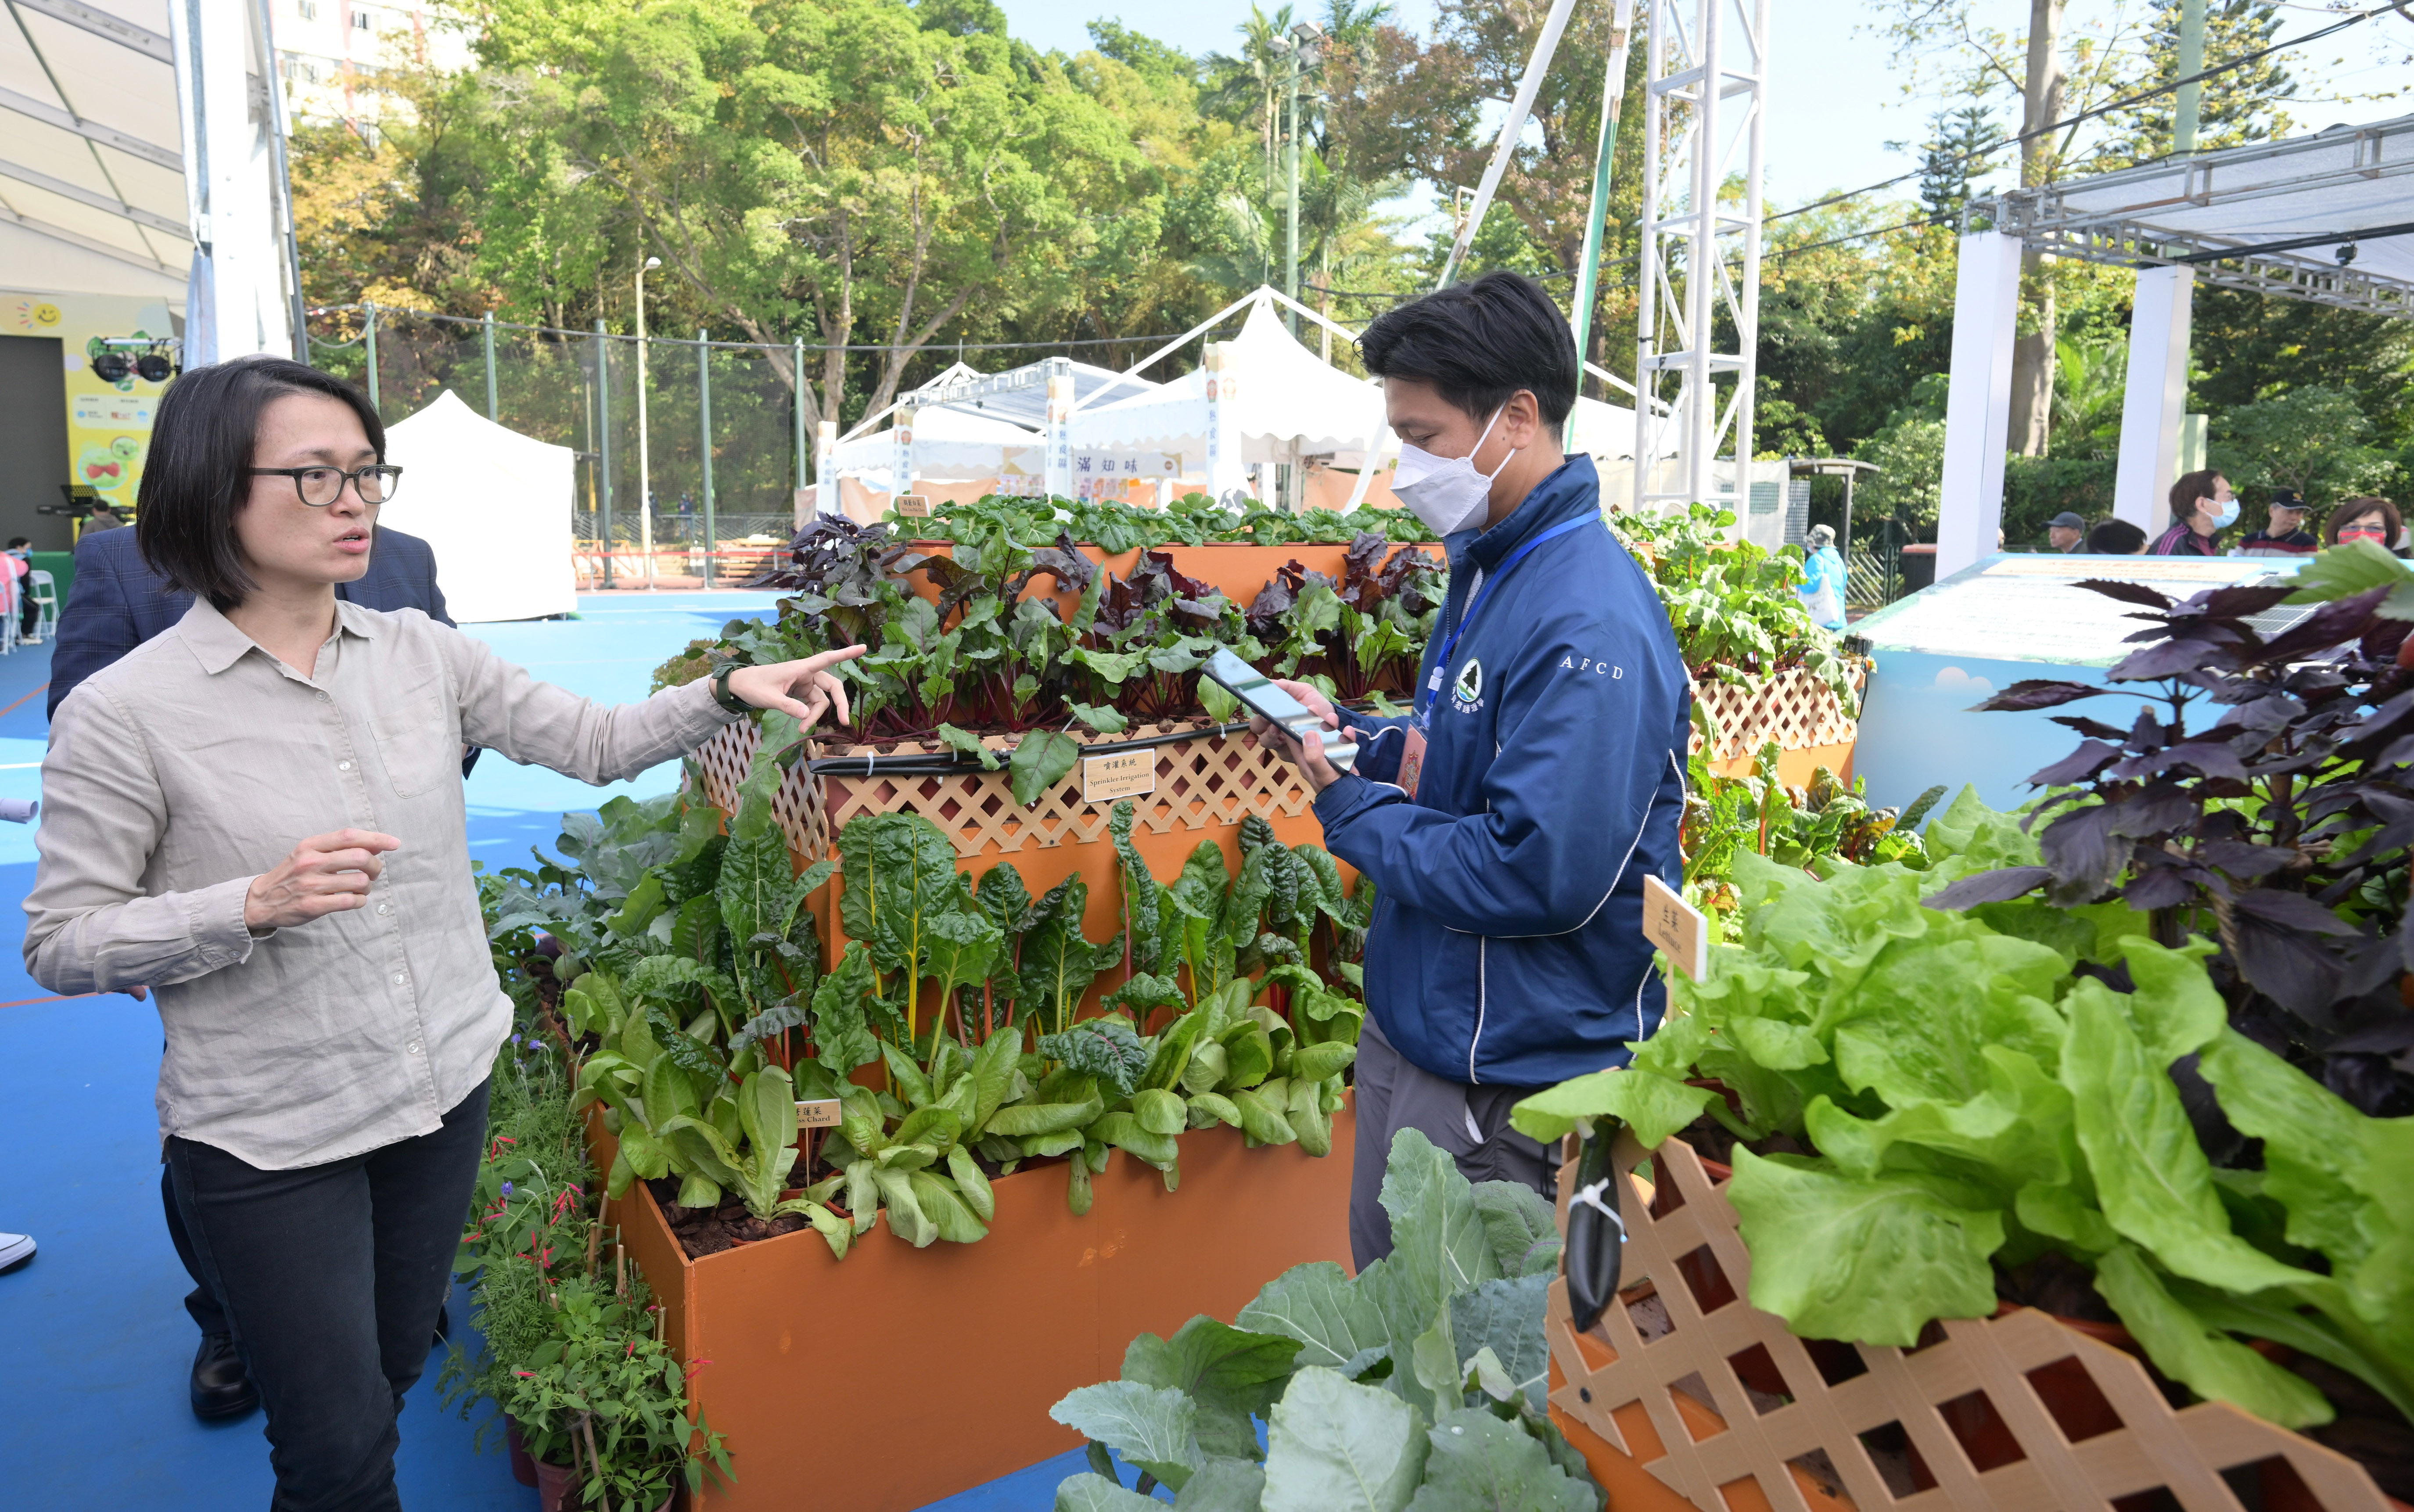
[[2192, 488], [195, 480], [2356, 509], [2115, 538], [1478, 344]]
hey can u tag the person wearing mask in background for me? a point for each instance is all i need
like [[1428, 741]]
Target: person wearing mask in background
[[20, 566], [2065, 532], [2201, 504], [1823, 579], [259, 813], [2368, 518], [1509, 821], [118, 601], [2116, 538], [2283, 533]]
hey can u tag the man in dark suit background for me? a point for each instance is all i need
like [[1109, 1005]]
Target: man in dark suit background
[[116, 603]]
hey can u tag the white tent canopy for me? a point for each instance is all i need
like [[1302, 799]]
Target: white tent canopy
[[949, 445], [92, 166], [493, 504], [1289, 403]]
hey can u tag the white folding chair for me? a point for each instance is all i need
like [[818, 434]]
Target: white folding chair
[[44, 587]]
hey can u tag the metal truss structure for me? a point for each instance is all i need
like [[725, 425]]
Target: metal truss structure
[[1706, 84], [2350, 190]]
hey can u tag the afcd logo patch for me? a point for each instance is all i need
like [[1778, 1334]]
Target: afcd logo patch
[[1470, 687]]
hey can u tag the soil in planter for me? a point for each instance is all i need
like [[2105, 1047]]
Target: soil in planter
[[2367, 1429], [2053, 1282], [703, 1231]]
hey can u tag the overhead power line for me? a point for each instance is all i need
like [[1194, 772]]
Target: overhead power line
[[2051, 126]]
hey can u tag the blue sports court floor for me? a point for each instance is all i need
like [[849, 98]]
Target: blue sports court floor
[[94, 1343]]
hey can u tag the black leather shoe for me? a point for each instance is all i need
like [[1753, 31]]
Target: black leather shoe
[[443, 1326], [220, 1387]]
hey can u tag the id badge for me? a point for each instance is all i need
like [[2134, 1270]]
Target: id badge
[[1412, 762]]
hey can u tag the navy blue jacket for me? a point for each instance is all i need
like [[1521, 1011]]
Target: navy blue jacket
[[1507, 945], [116, 601]]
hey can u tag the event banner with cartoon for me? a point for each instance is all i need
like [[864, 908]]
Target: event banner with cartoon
[[108, 424]]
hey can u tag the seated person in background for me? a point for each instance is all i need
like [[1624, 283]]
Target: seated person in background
[[2285, 534], [2201, 504], [2115, 538], [16, 571], [101, 518], [2065, 532], [2368, 518]]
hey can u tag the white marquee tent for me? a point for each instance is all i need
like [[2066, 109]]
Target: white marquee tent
[[493, 503]]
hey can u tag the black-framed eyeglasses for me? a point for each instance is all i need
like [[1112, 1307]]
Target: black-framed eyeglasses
[[322, 486]]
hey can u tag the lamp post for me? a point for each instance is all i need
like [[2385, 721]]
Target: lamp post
[[645, 453], [1304, 46]]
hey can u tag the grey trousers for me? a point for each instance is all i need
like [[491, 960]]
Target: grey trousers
[[1472, 1123]]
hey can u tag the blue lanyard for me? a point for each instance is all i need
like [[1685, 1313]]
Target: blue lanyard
[[1483, 590]]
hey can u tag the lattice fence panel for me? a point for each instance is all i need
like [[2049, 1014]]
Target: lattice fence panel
[[1214, 780], [1793, 708], [2016, 1414]]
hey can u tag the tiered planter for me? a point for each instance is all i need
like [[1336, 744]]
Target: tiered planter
[[1799, 711], [1684, 1397], [1205, 788], [897, 1376]]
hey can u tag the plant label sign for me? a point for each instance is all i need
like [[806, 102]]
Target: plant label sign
[[1676, 927], [1124, 773], [915, 505], [819, 1113]]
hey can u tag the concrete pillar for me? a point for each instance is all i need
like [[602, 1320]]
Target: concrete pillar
[[900, 470], [2155, 407], [1060, 428], [1978, 405], [1224, 469], [824, 468]]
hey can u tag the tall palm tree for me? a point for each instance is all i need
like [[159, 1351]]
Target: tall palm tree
[[1255, 80]]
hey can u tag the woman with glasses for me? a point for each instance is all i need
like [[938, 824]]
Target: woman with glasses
[[2369, 518], [259, 815]]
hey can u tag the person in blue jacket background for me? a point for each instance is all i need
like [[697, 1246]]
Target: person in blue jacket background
[[1509, 821]]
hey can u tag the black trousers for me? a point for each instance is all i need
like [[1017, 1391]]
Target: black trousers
[[1470, 1123], [330, 1277]]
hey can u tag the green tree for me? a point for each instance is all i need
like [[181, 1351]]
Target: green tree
[[2314, 439]]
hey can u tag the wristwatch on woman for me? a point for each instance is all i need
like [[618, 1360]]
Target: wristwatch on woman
[[722, 696]]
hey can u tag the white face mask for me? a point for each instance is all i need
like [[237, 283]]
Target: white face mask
[[1447, 493]]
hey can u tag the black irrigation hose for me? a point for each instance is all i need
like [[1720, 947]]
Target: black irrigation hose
[[935, 765]]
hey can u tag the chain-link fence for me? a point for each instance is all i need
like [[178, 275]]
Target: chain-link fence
[[719, 443]]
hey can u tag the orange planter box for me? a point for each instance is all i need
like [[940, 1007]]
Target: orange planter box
[[887, 1380]]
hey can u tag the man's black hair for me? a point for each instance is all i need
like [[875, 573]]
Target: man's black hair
[[2115, 538], [15, 542], [195, 480], [1478, 344]]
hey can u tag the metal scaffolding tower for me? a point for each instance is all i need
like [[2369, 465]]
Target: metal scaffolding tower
[[1705, 85]]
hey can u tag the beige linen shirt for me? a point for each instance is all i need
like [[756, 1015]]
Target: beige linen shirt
[[192, 765]]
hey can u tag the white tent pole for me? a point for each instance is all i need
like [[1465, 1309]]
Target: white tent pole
[[1511, 129], [868, 421], [1374, 451], [1168, 348], [1336, 327]]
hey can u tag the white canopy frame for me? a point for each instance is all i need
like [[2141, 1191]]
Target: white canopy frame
[[2327, 218]]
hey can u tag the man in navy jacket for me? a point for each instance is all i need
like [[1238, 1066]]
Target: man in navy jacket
[[116, 603], [1507, 823]]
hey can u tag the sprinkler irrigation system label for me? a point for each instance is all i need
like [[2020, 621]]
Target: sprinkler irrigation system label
[[1126, 774]]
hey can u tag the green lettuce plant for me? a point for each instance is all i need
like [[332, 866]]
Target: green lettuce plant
[[1979, 1090], [1418, 1383]]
